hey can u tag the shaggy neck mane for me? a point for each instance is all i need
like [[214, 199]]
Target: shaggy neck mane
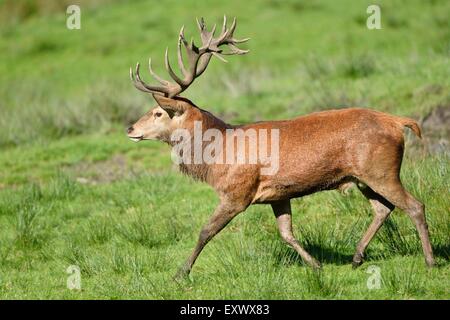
[[201, 171]]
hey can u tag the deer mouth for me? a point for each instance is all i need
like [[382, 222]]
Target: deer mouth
[[136, 139]]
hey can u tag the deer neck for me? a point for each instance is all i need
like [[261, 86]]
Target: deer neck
[[194, 165]]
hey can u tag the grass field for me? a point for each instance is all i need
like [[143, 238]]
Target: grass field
[[75, 191]]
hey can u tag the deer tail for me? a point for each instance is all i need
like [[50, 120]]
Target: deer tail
[[411, 124]]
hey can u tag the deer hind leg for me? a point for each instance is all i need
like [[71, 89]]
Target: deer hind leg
[[282, 211], [382, 209], [393, 191]]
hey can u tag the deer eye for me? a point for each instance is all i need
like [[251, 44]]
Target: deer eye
[[158, 114]]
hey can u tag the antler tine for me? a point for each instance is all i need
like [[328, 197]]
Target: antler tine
[[204, 34], [180, 56], [213, 31], [224, 25], [216, 54], [172, 74], [235, 50], [131, 74], [208, 39], [224, 32], [154, 75], [141, 85], [200, 24], [231, 32], [136, 83], [240, 40], [232, 28]]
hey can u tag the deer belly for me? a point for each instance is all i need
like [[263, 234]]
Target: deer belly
[[269, 191]]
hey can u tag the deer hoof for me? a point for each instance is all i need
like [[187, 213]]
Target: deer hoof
[[182, 273], [430, 263], [357, 260], [315, 264]]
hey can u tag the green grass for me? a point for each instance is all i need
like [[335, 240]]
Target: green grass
[[75, 191]]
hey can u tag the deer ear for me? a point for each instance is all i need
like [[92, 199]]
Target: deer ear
[[172, 106]]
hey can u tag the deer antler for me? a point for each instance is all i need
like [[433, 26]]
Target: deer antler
[[197, 57]]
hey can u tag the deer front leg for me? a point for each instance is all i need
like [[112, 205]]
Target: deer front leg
[[223, 214], [282, 211]]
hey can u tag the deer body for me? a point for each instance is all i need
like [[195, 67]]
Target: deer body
[[311, 159], [320, 151]]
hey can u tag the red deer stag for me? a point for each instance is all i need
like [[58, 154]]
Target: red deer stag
[[319, 151]]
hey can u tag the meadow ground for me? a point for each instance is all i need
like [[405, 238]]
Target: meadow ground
[[75, 191]]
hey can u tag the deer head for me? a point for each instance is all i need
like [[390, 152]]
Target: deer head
[[173, 111]]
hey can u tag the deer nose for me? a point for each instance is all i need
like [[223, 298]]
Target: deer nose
[[130, 129]]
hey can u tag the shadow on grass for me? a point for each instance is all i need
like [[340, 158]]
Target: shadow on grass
[[289, 256], [442, 251]]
